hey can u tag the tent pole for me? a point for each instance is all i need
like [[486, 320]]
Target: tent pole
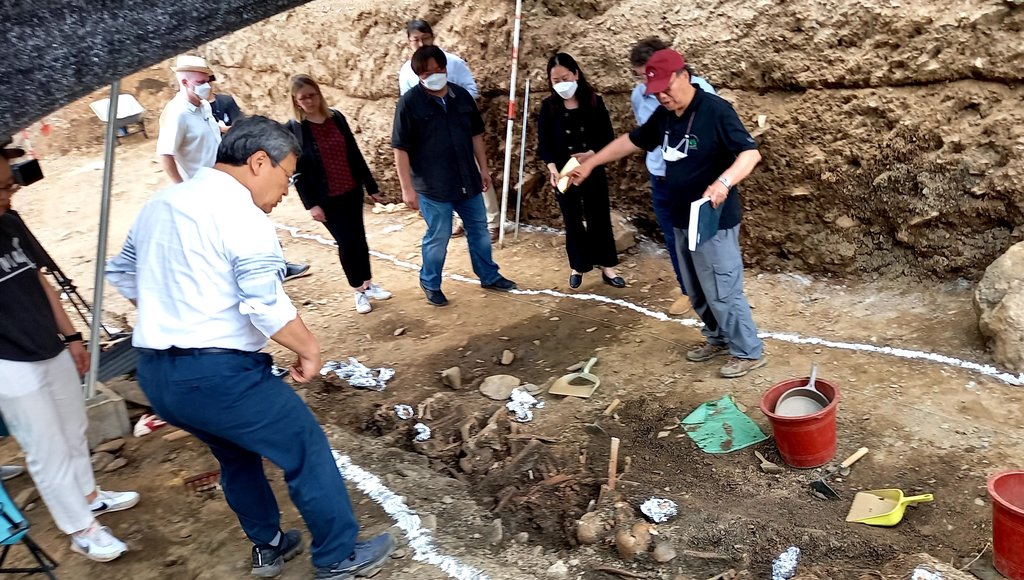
[[101, 242]]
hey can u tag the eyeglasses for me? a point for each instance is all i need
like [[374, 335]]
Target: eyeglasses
[[10, 187], [292, 178]]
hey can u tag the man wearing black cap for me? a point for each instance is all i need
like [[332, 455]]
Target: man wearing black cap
[[707, 152]]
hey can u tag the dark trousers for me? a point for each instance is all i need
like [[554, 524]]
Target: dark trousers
[[592, 244], [344, 215], [662, 202], [232, 403]]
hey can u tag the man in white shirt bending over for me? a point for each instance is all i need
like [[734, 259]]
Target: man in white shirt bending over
[[421, 34], [203, 265], [189, 134]]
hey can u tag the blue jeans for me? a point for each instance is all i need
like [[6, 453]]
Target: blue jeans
[[232, 403], [438, 215], [663, 213]]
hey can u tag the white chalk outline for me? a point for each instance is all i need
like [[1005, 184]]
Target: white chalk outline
[[904, 353], [420, 539]]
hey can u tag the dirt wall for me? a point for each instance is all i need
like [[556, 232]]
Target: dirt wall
[[893, 134]]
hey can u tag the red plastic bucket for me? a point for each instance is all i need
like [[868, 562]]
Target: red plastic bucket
[[1007, 493], [810, 440]]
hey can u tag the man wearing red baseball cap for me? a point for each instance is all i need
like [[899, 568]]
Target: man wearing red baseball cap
[[707, 151]]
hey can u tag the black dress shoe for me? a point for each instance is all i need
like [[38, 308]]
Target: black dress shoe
[[435, 297], [617, 281], [575, 280]]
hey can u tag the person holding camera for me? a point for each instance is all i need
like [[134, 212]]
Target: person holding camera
[[42, 360]]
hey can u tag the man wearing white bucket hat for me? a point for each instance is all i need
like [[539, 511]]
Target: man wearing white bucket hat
[[189, 134]]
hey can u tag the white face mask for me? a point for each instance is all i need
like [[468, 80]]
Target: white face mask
[[565, 90], [435, 82], [202, 91]]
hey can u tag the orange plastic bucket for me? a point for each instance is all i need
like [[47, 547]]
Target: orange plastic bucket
[[810, 440], [1007, 493]]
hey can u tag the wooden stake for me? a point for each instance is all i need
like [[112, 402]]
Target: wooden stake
[[613, 461], [175, 435], [611, 408]]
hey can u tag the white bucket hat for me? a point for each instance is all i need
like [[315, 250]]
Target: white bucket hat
[[188, 62]]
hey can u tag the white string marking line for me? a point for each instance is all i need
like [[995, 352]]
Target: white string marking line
[[419, 538], [989, 370]]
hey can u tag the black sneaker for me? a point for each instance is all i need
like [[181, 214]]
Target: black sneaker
[[435, 297], [268, 561], [502, 283], [365, 561], [293, 271]]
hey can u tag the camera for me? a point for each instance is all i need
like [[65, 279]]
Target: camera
[[27, 172]]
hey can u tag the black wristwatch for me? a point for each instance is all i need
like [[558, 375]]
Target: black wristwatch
[[69, 338]]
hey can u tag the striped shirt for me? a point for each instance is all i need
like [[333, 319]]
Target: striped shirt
[[205, 268]]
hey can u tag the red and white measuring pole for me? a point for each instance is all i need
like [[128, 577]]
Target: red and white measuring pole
[[511, 119]]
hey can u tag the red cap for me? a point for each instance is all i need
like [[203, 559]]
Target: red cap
[[660, 68]]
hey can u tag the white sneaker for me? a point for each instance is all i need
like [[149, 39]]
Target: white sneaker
[[113, 501], [362, 303], [377, 293], [97, 543]]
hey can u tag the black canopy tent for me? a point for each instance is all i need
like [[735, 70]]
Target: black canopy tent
[[57, 51]]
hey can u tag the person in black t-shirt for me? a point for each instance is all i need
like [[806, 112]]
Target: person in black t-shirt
[[225, 110], [707, 152], [42, 360]]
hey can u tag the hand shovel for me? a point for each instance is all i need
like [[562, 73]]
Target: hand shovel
[[821, 486], [581, 384]]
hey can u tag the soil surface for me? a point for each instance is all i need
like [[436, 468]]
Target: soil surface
[[505, 497]]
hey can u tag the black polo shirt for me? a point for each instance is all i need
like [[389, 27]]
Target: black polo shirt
[[438, 136], [716, 137], [28, 330]]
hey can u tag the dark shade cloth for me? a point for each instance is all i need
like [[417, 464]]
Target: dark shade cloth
[[225, 109], [28, 330], [231, 402], [344, 215], [333, 157], [438, 136], [562, 132], [58, 51], [312, 182], [716, 137]]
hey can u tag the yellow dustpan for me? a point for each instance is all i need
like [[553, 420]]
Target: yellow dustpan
[[882, 507]]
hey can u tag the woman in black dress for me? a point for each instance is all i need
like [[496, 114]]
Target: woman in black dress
[[574, 122]]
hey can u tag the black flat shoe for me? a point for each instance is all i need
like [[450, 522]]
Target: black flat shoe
[[616, 282], [575, 280]]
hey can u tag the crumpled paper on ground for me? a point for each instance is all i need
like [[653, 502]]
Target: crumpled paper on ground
[[922, 574], [404, 412], [359, 375], [521, 404], [278, 371], [422, 432], [784, 567], [659, 510]]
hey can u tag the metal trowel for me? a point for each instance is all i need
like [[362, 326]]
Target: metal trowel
[[821, 486]]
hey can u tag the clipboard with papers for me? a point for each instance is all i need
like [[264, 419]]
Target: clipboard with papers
[[704, 219]]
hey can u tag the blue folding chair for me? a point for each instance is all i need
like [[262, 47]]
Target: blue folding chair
[[14, 529]]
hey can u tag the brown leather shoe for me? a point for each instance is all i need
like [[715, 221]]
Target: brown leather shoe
[[458, 231]]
